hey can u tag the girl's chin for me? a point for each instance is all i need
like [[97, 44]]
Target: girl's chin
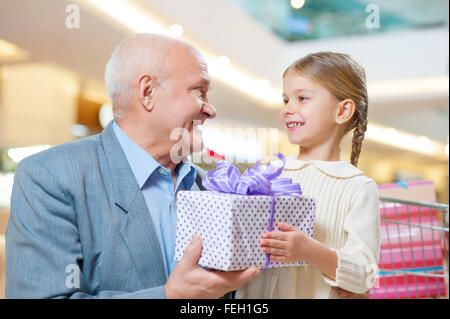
[[296, 139]]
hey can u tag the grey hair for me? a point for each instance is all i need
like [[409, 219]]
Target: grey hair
[[142, 52]]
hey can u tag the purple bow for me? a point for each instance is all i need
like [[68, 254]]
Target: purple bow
[[257, 180]]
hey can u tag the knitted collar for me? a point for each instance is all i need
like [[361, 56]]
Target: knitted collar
[[339, 169]]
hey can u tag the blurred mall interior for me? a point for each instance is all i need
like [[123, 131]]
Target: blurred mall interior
[[53, 55]]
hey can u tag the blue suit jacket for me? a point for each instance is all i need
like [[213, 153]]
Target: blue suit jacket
[[78, 204]]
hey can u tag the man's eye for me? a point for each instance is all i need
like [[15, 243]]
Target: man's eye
[[204, 93]]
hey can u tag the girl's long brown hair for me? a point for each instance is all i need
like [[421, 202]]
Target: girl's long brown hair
[[345, 79]]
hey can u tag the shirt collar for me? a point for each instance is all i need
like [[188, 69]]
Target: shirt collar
[[187, 173], [143, 164], [339, 169]]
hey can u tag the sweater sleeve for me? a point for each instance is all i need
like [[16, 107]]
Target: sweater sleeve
[[358, 258]]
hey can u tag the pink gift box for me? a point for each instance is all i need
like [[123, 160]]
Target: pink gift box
[[407, 247]]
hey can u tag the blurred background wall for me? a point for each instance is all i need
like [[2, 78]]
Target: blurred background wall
[[53, 54]]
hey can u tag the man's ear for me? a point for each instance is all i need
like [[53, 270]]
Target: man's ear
[[146, 89], [344, 111]]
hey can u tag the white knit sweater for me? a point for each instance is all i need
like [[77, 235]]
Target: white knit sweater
[[347, 220]]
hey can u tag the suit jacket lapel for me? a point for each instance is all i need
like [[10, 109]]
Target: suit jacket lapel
[[138, 231]]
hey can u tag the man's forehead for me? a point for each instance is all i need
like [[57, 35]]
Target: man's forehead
[[184, 52], [194, 68], [198, 63]]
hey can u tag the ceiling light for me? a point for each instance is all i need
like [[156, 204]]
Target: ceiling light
[[139, 20], [297, 4], [224, 61], [176, 30], [244, 82], [404, 140], [408, 87], [264, 84], [11, 52], [129, 15]]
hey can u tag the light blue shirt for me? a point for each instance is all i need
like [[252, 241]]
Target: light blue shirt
[[156, 184]]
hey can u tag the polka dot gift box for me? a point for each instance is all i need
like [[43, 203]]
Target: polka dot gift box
[[231, 226], [232, 217]]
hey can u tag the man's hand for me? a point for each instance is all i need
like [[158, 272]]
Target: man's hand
[[188, 280], [350, 295]]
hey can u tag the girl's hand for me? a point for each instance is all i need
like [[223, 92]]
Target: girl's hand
[[288, 245]]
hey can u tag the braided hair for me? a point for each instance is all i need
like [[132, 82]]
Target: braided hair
[[360, 118]]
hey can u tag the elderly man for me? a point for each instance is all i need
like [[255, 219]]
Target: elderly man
[[95, 218]]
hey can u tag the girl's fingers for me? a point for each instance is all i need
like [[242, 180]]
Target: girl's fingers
[[275, 235], [285, 227], [272, 243], [273, 251]]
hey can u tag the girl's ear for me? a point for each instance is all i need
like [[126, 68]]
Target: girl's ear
[[344, 112], [146, 87]]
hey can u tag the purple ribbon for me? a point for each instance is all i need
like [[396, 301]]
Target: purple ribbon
[[257, 180]]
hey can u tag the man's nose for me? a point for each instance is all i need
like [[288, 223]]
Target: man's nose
[[209, 110]]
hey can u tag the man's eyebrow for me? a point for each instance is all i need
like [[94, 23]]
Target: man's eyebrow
[[202, 83]]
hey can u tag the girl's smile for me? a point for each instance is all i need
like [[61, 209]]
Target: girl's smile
[[294, 125]]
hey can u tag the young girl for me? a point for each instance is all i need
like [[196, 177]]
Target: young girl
[[325, 96]]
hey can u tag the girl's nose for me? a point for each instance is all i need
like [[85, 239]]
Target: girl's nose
[[287, 110]]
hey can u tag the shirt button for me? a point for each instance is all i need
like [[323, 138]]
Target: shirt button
[[161, 170]]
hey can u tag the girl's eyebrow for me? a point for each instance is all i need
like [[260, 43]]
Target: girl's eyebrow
[[303, 90], [299, 91]]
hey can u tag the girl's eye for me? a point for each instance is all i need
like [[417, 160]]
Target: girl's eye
[[285, 101], [302, 98]]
